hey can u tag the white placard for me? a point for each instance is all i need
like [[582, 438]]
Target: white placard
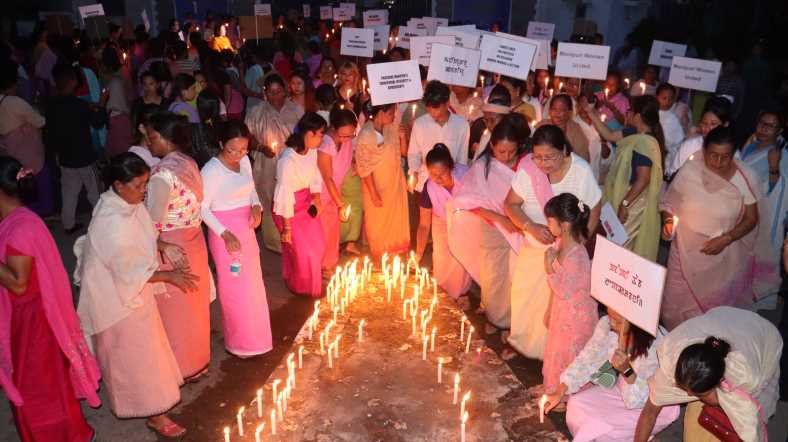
[[540, 30], [420, 24], [464, 38], [454, 65], [357, 42], [307, 8], [421, 47], [466, 28], [380, 41], [145, 20], [627, 283], [341, 14], [612, 225], [326, 13], [694, 73], [662, 52], [262, 9], [579, 60], [376, 17], [93, 10], [394, 82], [541, 59], [405, 33], [349, 7], [506, 56], [432, 24]]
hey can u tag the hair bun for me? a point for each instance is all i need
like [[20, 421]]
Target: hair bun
[[718, 345]]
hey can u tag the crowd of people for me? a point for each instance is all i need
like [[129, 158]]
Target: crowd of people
[[504, 183]]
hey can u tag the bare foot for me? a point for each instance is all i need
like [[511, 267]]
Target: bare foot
[[165, 427], [352, 248]]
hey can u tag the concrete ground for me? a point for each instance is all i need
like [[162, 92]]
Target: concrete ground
[[209, 404]]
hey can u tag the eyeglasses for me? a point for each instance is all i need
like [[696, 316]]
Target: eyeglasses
[[546, 158]]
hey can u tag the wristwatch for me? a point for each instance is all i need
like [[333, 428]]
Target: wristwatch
[[628, 372], [625, 203]]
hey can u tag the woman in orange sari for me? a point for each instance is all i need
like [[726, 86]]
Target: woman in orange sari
[[378, 153]]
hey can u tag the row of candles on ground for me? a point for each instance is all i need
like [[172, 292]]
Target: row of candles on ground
[[343, 288]]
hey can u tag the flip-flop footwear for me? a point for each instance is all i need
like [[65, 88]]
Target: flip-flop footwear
[[170, 430]]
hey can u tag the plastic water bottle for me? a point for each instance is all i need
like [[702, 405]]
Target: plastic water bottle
[[235, 265]]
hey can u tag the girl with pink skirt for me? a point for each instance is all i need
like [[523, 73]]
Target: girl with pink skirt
[[297, 207], [232, 210], [334, 160]]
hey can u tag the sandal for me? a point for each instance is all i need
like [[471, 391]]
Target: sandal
[[170, 430]]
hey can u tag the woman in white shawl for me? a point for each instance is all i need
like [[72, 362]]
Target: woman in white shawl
[[117, 270], [727, 358]]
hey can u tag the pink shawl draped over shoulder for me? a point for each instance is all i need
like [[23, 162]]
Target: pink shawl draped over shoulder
[[23, 226], [440, 196]]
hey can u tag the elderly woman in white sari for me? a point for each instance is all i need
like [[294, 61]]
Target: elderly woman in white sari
[[726, 365], [117, 270], [270, 123]]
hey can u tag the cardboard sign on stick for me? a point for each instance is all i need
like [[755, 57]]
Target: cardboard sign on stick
[[262, 9], [541, 59], [307, 9], [380, 41], [454, 65], [357, 42], [326, 13], [628, 283], [376, 17], [694, 73], [463, 38], [394, 82], [506, 56], [405, 33], [662, 53], [579, 60]]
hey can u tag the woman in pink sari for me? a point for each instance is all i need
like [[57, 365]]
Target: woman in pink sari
[[334, 159], [231, 208], [45, 365], [297, 206], [481, 236], [443, 183], [175, 194], [711, 210]]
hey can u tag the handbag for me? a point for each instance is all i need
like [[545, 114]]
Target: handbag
[[715, 421]]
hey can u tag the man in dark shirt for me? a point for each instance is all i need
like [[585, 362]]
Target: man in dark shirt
[[67, 133]]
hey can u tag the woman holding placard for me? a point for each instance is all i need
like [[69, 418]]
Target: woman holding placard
[[634, 181], [711, 211], [607, 382], [550, 170], [725, 365]]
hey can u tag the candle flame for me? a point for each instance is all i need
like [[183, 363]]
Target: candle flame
[[464, 418], [603, 117], [346, 212], [411, 180]]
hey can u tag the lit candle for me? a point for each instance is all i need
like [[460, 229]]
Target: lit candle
[[607, 91], [336, 345], [542, 403], [456, 388], [551, 92], [424, 340], [626, 82], [330, 357], [413, 324], [432, 338], [226, 434], [465, 399], [280, 412], [361, 331], [405, 309], [322, 342], [481, 80], [388, 290], [468, 344], [546, 82], [363, 84], [346, 212], [274, 388], [273, 147], [675, 226], [560, 86], [470, 112], [257, 437], [240, 418], [273, 422], [603, 117], [327, 35], [301, 357], [475, 94], [347, 94], [260, 403], [434, 289], [642, 88], [462, 327], [462, 427], [440, 370]]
